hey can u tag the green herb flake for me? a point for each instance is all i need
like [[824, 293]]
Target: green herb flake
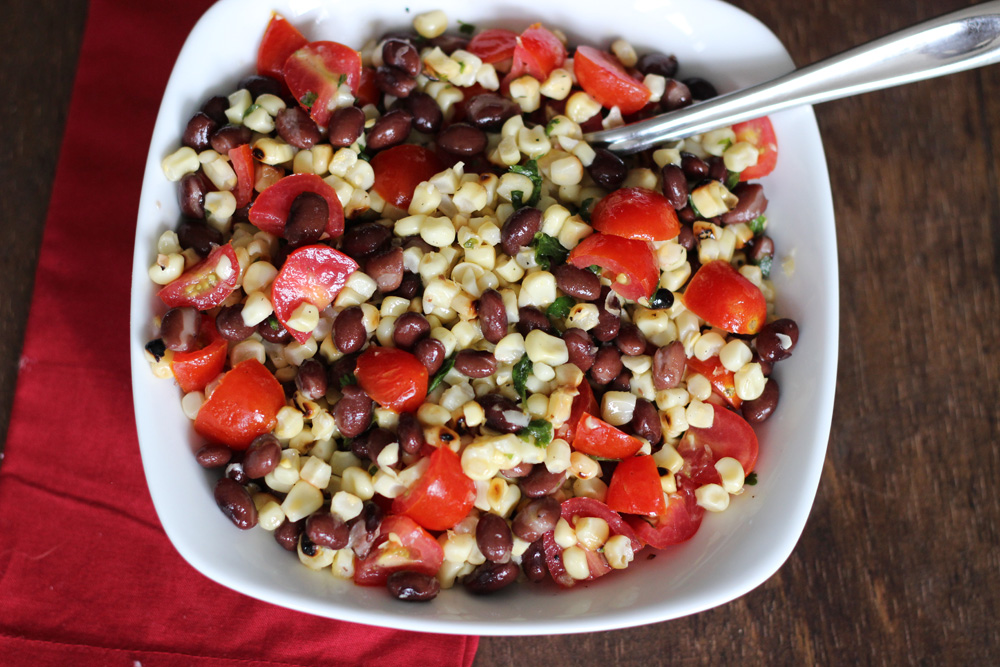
[[538, 429], [586, 208], [273, 322], [342, 80], [694, 208], [364, 156], [751, 479], [250, 109], [594, 268], [560, 307], [517, 199], [732, 179], [470, 243], [347, 379], [551, 126], [446, 367], [530, 169], [466, 28], [308, 99], [758, 225], [765, 265], [520, 373], [548, 251]]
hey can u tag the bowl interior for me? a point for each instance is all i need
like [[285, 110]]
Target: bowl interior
[[734, 551]]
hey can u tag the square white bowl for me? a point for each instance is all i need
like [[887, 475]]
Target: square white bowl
[[733, 552]]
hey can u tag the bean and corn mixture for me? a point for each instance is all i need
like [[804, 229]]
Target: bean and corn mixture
[[432, 337]]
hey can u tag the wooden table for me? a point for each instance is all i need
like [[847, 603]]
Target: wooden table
[[899, 561]]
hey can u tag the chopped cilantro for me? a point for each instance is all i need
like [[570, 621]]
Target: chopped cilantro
[[765, 263], [758, 225], [751, 479], [250, 109], [732, 179], [586, 206], [470, 243], [446, 367], [726, 143], [551, 126], [560, 307], [522, 370], [594, 268], [530, 169], [517, 198], [548, 251], [347, 379], [308, 99], [364, 156], [461, 66], [342, 80], [466, 28], [538, 429], [273, 322]]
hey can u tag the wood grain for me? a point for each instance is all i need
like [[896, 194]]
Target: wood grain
[[899, 561]]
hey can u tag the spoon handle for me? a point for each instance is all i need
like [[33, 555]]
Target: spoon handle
[[955, 42]]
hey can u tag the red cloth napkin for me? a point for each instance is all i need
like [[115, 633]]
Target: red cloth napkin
[[87, 576]]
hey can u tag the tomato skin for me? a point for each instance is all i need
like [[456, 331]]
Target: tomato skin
[[760, 133], [314, 274], [400, 169], [722, 297], [416, 551], [442, 496], [316, 68], [583, 402], [243, 406], [193, 370], [620, 256], [678, 522], [537, 52], [281, 39], [636, 213], [635, 487], [200, 286], [393, 378], [493, 46], [271, 209], [730, 435], [606, 80], [599, 438], [242, 159], [723, 380], [368, 92]]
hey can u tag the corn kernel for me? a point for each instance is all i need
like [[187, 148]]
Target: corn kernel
[[712, 497]]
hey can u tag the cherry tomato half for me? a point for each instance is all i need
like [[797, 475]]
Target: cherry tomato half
[[629, 263], [635, 487], [271, 209], [723, 380], [281, 39], [312, 274], [243, 406], [537, 52], [195, 369], [206, 284], [313, 74], [599, 438], [636, 213], [442, 496], [605, 79], [678, 522], [729, 435], [400, 169], [493, 46], [760, 133], [393, 378], [413, 548], [242, 159], [722, 297]]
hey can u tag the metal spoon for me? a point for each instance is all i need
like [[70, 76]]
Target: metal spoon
[[955, 42]]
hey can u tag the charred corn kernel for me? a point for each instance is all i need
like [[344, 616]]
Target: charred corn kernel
[[558, 84], [669, 398], [181, 162], [575, 561], [715, 142], [167, 268], [699, 387], [545, 348], [426, 199], [735, 355], [273, 151], [618, 551], [582, 466], [581, 107], [290, 423], [617, 407], [560, 405], [699, 415], [712, 497], [304, 318], [302, 500], [732, 474], [592, 532], [191, 404], [473, 414], [346, 505], [357, 482], [668, 457], [750, 382], [316, 471], [713, 199], [676, 420], [590, 488], [741, 155], [526, 91], [321, 557], [470, 197], [502, 497], [583, 316], [558, 456], [565, 534], [286, 474]]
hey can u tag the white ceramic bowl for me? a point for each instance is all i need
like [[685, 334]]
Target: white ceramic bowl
[[734, 551]]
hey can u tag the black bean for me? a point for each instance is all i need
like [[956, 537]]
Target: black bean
[[687, 216], [235, 502], [410, 287], [717, 169], [368, 446], [668, 366], [608, 170], [761, 408], [462, 139], [327, 530], [230, 325], [410, 433], [769, 346], [311, 379], [365, 239], [493, 538], [536, 518], [191, 195], [427, 116], [431, 353], [234, 471], [349, 333], [608, 323], [766, 367], [198, 130], [490, 111], [580, 347], [307, 219], [273, 331], [675, 187], [213, 456], [258, 84], [354, 411], [579, 283], [295, 127], [491, 577], [345, 126], [695, 169], [761, 247], [262, 456], [518, 471], [675, 96], [533, 562], [686, 237], [215, 108], [287, 535], [449, 43], [622, 382], [496, 408], [752, 204], [390, 130], [475, 363], [394, 81], [386, 269], [179, 329], [607, 365], [700, 88], [530, 318], [229, 137], [199, 236], [402, 54], [658, 63], [630, 340], [519, 229], [413, 586], [646, 421], [408, 329], [540, 482], [492, 315]]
